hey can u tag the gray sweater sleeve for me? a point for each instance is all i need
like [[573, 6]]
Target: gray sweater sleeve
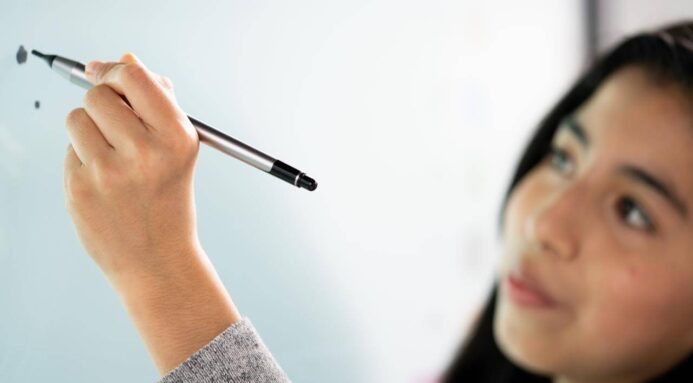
[[237, 355]]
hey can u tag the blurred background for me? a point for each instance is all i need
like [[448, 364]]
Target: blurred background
[[411, 115]]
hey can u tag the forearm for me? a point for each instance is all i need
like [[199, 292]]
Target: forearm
[[129, 190], [177, 309]]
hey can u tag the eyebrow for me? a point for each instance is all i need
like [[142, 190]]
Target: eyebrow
[[634, 172]]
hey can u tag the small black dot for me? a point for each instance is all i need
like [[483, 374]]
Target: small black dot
[[21, 55], [37, 104]]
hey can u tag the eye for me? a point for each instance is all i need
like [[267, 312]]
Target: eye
[[632, 212], [626, 206], [558, 157]]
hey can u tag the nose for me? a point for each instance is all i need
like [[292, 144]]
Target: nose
[[553, 225]]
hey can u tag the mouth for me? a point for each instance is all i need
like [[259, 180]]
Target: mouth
[[525, 290]]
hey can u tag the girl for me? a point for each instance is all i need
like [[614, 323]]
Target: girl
[[596, 283]]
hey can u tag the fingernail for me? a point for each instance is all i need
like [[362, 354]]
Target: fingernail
[[131, 56], [93, 66]]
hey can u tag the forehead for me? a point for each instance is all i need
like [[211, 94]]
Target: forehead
[[631, 104], [631, 119]]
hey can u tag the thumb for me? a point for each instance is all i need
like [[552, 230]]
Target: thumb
[[94, 67], [130, 58]]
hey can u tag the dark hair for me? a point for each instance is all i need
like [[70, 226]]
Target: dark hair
[[667, 55]]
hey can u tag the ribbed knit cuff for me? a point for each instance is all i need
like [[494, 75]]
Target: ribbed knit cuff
[[237, 355]]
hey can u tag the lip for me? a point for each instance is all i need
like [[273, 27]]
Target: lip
[[524, 289]]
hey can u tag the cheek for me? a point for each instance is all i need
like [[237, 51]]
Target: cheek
[[633, 308]]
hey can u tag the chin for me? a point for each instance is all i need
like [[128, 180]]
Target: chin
[[523, 349]]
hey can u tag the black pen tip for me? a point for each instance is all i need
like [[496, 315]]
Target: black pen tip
[[307, 183], [48, 58]]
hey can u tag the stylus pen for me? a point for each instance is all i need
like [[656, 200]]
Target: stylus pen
[[74, 71]]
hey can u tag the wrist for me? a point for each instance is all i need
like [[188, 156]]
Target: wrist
[[155, 273], [178, 307]]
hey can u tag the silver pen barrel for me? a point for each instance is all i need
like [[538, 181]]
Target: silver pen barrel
[[74, 72], [232, 146]]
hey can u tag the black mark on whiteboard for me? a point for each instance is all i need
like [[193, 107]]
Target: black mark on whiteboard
[[21, 55]]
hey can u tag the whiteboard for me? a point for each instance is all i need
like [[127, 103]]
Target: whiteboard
[[388, 104]]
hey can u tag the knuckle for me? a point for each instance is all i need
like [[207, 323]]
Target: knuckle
[[78, 189], [107, 177], [95, 96], [134, 73], [73, 116], [104, 182], [185, 146], [140, 150], [100, 165], [167, 82], [105, 72], [180, 144], [143, 161]]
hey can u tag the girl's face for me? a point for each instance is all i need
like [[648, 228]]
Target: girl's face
[[602, 228]]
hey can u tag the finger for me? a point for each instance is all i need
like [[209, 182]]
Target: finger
[[118, 123], [166, 82], [144, 92], [71, 174], [168, 85], [163, 80], [86, 138], [72, 160], [71, 164], [130, 57]]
